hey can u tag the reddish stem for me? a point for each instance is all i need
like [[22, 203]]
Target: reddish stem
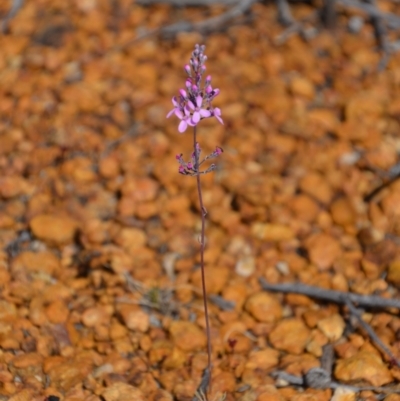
[[202, 246]]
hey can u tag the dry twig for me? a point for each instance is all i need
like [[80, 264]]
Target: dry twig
[[206, 26], [340, 297], [357, 313], [16, 5]]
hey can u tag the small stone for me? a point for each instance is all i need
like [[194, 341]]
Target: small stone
[[8, 311], [332, 326], [67, 373], [131, 238], [187, 335], [123, 392], [53, 228], [316, 185], [224, 382], [57, 312], [109, 167], [35, 262], [245, 266], [264, 307], [95, 316], [175, 359], [290, 335], [343, 394], [393, 273], [272, 232], [323, 250], [11, 186], [304, 207], [342, 212], [364, 365], [303, 87], [237, 293], [26, 360], [140, 189], [391, 397], [264, 359], [134, 318], [23, 395]]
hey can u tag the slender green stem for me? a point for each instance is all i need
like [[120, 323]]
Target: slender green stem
[[203, 213]]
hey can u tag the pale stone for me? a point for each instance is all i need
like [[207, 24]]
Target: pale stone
[[264, 359], [332, 326], [272, 232], [364, 365], [264, 307], [343, 394], [123, 392], [187, 335], [245, 266], [323, 250], [290, 335], [53, 228], [393, 273], [342, 212], [134, 318], [316, 185], [303, 87]]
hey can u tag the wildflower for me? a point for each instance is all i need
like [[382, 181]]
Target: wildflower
[[195, 103]]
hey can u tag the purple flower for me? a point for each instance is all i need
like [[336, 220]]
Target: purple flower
[[198, 111], [185, 117], [194, 103]]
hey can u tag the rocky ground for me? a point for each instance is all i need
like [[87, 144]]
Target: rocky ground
[[99, 276]]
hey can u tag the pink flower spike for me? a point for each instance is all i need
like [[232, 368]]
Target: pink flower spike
[[183, 93], [187, 69]]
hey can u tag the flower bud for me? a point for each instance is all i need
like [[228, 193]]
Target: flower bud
[[187, 69]]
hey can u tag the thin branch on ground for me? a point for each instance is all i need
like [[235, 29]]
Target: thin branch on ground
[[188, 3], [16, 5], [296, 27], [284, 14], [381, 37], [209, 25], [370, 331], [328, 13], [289, 379], [340, 297], [392, 20]]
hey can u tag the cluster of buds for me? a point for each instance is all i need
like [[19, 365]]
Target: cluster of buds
[[194, 103], [193, 167]]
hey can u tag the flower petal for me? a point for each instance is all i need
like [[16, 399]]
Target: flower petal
[[199, 101], [196, 117], [191, 105], [170, 113], [217, 114], [179, 114], [205, 113], [175, 102], [182, 126]]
